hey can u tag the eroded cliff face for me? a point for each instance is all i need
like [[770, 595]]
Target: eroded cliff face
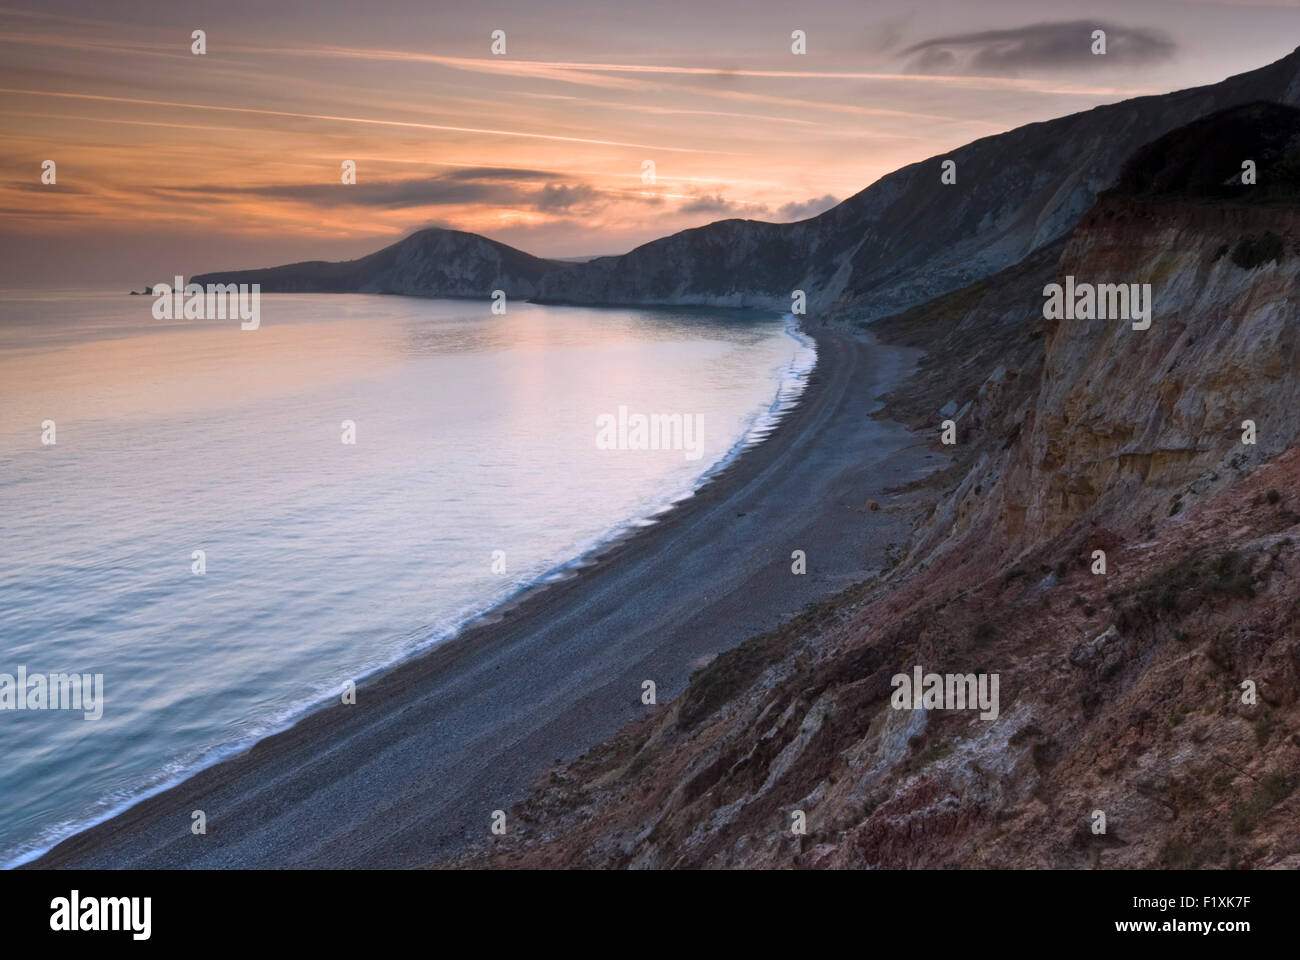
[[1118, 694], [1118, 421], [1124, 692], [1139, 424]]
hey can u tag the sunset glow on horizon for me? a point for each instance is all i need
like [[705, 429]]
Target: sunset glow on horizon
[[170, 162]]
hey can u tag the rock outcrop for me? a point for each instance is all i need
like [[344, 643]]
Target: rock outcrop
[[1160, 689]]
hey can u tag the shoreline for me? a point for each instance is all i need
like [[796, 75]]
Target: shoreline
[[427, 726], [789, 391]]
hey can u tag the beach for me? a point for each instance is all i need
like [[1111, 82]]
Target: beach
[[415, 768]]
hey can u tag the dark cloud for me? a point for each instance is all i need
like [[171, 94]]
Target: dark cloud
[[492, 186], [1038, 46], [555, 197], [887, 34], [714, 204], [499, 173], [808, 208], [35, 186], [717, 205]]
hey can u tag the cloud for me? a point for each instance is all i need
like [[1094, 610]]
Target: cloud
[[714, 80], [808, 208], [1039, 46], [421, 192], [407, 124], [487, 186], [713, 204], [497, 173], [716, 205], [557, 197], [47, 188]]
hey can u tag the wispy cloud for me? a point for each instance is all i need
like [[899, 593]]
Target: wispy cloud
[[1065, 45], [598, 73], [367, 120]]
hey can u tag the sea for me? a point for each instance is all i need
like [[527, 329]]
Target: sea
[[228, 527]]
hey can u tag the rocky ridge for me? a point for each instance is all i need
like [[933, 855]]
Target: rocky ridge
[[900, 242]]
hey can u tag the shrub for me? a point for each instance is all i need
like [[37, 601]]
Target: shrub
[[1272, 790], [1252, 252]]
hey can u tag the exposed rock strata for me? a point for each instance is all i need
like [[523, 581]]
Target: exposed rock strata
[[1120, 692]]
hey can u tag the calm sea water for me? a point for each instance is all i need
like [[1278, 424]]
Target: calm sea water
[[324, 561]]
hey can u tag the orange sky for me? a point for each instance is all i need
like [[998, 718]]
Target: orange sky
[[169, 162]]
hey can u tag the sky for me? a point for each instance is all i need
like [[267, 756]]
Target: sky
[[171, 162]]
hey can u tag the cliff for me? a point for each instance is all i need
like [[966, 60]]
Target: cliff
[[1121, 691], [902, 241]]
